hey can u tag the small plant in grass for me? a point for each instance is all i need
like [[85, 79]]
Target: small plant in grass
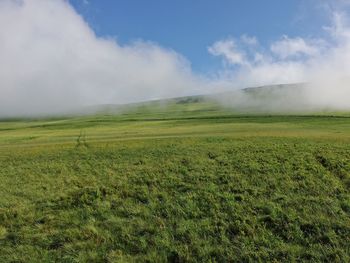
[[81, 140]]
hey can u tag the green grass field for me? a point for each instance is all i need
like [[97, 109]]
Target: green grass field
[[184, 182]]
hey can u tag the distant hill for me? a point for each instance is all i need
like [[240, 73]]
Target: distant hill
[[229, 98], [269, 99], [281, 98], [276, 87]]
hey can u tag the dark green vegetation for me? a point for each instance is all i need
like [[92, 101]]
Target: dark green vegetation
[[186, 182]]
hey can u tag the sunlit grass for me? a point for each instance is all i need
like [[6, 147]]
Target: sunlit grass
[[160, 184]]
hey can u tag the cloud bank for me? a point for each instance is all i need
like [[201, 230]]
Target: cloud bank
[[52, 62]]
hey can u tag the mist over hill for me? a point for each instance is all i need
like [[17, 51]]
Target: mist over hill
[[291, 98], [273, 99], [282, 98]]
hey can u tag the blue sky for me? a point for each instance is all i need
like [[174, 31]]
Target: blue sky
[[190, 27]]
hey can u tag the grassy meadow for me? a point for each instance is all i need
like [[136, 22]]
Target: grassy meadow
[[185, 181]]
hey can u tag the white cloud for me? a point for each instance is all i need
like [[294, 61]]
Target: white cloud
[[52, 61], [291, 47], [339, 29], [249, 40], [229, 50]]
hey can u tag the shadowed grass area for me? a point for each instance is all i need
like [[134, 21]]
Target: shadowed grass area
[[160, 184]]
